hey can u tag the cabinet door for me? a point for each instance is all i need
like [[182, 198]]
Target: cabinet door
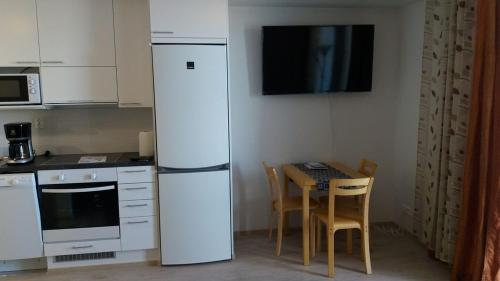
[[63, 85], [189, 18], [133, 53], [18, 33], [76, 32]]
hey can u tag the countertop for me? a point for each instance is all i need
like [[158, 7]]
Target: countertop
[[70, 161]]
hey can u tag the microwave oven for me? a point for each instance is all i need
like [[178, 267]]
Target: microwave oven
[[19, 89]]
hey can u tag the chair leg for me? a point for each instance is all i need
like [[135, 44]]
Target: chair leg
[[318, 236], [365, 241], [271, 222], [349, 241], [280, 234], [312, 236], [331, 248]]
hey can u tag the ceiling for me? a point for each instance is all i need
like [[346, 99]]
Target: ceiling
[[323, 3]]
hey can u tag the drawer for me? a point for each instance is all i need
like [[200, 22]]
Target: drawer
[[77, 176], [82, 247], [137, 208], [136, 191], [139, 233], [136, 174]]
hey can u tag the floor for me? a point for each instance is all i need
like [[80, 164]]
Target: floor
[[395, 256]]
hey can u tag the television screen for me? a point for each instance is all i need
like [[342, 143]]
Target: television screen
[[317, 59]]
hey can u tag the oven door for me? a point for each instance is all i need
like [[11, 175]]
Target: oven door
[[19, 89], [76, 212]]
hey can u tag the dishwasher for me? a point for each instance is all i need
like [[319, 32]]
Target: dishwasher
[[20, 227]]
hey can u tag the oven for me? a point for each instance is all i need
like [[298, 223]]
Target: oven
[[78, 211], [20, 89]]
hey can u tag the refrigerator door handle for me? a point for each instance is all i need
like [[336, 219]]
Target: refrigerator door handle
[[169, 170]]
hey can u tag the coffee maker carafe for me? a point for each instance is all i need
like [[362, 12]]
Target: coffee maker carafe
[[20, 146]]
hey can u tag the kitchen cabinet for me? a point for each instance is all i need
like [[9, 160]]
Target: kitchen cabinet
[[189, 18], [18, 33], [78, 85], [133, 53], [138, 208], [76, 32]]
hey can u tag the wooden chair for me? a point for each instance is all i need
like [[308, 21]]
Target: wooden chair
[[367, 168], [281, 205], [345, 219]]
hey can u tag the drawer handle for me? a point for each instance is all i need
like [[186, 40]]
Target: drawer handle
[[136, 188], [26, 62], [137, 222], [163, 32], [82, 247], [136, 206], [136, 171], [52, 61]]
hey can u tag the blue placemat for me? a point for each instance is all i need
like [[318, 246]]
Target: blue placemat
[[322, 177]]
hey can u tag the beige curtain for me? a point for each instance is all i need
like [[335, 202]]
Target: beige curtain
[[444, 111]]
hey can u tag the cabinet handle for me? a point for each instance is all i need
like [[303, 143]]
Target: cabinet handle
[[135, 206], [82, 247], [75, 101], [163, 32], [135, 188], [137, 222], [130, 103], [25, 62], [52, 61], [137, 171]]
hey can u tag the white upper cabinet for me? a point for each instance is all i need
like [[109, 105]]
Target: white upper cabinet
[[76, 32], [189, 18], [18, 33], [133, 53]]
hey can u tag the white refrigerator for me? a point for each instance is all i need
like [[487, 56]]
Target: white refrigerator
[[192, 146]]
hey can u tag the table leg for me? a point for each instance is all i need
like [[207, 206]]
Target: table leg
[[305, 223]]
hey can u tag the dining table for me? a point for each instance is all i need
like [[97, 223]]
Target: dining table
[[308, 182]]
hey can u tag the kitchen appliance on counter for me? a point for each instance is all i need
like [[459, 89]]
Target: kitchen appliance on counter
[[192, 141], [20, 227], [20, 89], [20, 146], [79, 204]]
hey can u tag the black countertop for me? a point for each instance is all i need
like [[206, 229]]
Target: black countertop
[[70, 161]]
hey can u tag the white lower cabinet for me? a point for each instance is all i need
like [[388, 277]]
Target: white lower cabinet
[[139, 233], [82, 247], [138, 208]]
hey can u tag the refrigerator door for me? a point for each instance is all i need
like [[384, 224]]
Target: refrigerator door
[[191, 105], [195, 217]]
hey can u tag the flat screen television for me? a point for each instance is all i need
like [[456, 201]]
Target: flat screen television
[[317, 59]]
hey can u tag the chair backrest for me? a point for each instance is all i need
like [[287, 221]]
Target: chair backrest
[[367, 167], [350, 187], [273, 183]]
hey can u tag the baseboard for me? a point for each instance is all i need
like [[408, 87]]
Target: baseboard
[[22, 265], [148, 256]]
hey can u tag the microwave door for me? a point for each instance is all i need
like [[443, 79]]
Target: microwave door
[[14, 89]]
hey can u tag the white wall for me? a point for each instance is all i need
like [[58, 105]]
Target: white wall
[[344, 127], [412, 18], [82, 130]]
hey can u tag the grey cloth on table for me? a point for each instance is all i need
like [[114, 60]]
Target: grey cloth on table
[[323, 177]]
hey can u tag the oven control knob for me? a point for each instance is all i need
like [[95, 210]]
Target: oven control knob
[[93, 176], [14, 182], [62, 177], [32, 91]]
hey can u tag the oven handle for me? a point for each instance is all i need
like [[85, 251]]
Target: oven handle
[[78, 190]]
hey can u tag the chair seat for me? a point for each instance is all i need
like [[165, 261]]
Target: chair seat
[[295, 203], [339, 222]]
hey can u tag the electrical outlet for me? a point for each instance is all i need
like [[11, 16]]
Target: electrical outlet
[[38, 123]]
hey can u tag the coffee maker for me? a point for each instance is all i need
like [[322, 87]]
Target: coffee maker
[[20, 146]]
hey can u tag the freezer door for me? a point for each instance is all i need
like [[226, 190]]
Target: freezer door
[[195, 217], [191, 105]]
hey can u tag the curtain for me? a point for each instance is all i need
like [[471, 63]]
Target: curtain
[[478, 246], [444, 110]]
